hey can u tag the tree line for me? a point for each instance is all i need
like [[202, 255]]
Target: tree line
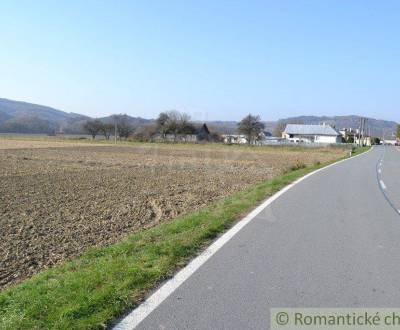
[[169, 123], [120, 128]]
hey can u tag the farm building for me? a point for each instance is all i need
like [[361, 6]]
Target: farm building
[[311, 134]]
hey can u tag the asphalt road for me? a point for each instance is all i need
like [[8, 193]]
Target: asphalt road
[[333, 240]]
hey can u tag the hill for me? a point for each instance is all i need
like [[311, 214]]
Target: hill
[[133, 121], [23, 117], [378, 127]]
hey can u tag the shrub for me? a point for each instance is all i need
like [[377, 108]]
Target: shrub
[[298, 165]]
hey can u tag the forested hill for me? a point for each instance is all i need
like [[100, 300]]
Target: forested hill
[[23, 117], [377, 126]]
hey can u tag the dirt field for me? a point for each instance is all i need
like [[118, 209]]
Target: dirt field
[[58, 199]]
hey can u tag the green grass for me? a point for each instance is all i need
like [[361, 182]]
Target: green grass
[[89, 292], [359, 150]]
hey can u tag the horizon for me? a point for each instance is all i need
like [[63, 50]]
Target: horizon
[[214, 61], [209, 120]]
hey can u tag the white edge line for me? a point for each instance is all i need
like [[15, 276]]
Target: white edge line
[[135, 317], [382, 184]]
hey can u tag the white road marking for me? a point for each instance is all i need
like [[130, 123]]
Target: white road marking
[[379, 171], [382, 184], [133, 319]]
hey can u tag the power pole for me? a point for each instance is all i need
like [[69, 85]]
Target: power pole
[[364, 131], [383, 136], [115, 130]]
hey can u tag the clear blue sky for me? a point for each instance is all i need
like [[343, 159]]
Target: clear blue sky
[[213, 59]]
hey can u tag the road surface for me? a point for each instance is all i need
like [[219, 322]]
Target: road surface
[[333, 240]]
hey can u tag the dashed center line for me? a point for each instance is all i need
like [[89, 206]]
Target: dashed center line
[[382, 184]]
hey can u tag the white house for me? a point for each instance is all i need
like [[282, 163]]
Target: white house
[[392, 142], [311, 134]]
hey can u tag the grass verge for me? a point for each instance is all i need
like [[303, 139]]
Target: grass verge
[[359, 150], [92, 290]]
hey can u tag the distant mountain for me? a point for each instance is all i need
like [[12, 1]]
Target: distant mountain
[[23, 117], [21, 109], [133, 121], [377, 127]]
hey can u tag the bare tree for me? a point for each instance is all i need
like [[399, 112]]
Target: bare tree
[[162, 124], [281, 125], [106, 130], [145, 133], [251, 126], [279, 128], [124, 129], [93, 127], [185, 126], [175, 123], [123, 126]]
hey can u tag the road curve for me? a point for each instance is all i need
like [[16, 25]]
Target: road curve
[[333, 240]]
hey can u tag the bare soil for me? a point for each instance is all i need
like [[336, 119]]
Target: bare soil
[[59, 199]]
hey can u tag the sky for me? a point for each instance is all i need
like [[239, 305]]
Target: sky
[[216, 60]]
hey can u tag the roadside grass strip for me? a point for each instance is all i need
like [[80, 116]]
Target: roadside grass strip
[[92, 291]]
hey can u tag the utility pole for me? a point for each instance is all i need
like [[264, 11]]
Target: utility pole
[[383, 136], [364, 131], [115, 130]]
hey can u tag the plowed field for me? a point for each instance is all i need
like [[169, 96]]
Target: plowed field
[[59, 199]]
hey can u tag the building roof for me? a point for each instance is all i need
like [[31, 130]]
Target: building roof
[[310, 130]]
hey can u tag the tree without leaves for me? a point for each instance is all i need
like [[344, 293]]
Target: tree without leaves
[[279, 128], [93, 127], [162, 123], [124, 129], [106, 130], [145, 133], [251, 126], [173, 122], [281, 125], [184, 124]]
